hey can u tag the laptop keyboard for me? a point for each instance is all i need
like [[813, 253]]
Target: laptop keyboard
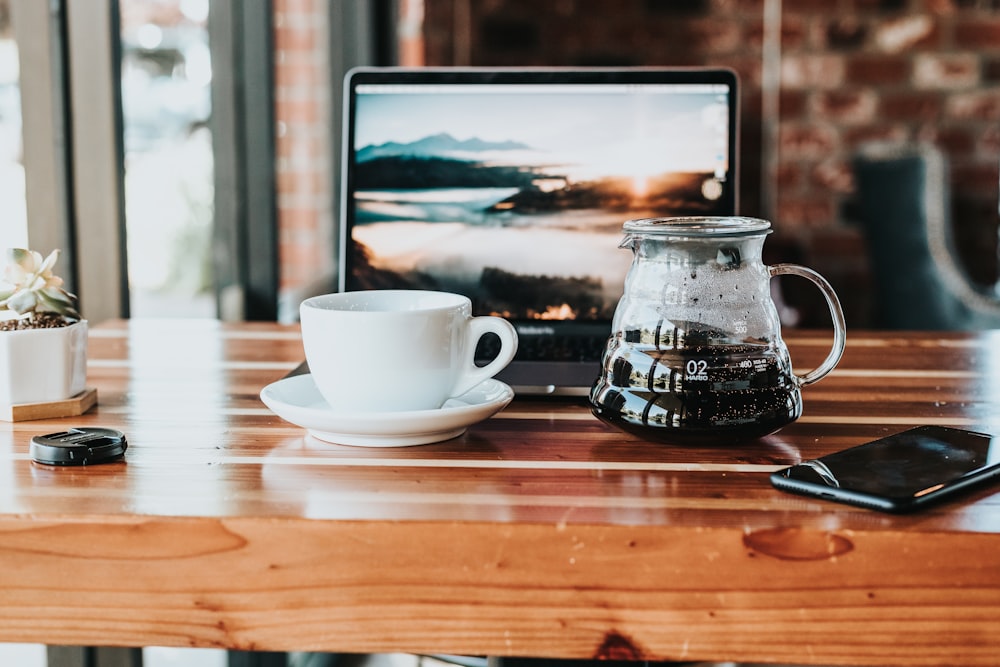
[[565, 347]]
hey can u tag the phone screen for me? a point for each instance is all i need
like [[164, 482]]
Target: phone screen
[[900, 472]]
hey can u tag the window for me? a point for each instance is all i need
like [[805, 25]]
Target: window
[[13, 212], [166, 78]]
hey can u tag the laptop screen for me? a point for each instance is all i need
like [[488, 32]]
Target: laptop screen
[[511, 186]]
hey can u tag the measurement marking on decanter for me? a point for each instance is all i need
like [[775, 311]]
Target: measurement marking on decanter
[[696, 369]]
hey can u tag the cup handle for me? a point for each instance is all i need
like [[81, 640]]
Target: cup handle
[[476, 328], [836, 314]]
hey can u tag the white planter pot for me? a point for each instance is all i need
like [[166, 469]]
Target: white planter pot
[[42, 365]]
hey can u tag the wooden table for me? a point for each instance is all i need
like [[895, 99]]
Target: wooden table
[[541, 532]]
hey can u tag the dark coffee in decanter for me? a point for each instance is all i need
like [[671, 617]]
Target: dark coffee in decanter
[[696, 354]]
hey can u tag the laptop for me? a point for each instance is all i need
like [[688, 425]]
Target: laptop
[[511, 186]]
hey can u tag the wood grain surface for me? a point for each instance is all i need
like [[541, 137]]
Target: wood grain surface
[[540, 532]]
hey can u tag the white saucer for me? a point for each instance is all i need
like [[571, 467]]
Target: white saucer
[[297, 400]]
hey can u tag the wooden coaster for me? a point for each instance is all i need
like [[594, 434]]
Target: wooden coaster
[[69, 407]]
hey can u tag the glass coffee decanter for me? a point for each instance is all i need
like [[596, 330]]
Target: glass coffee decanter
[[695, 354]]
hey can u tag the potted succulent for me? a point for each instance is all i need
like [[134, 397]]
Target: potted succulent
[[43, 340]]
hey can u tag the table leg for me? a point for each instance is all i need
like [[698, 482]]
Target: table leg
[[90, 656], [257, 659]]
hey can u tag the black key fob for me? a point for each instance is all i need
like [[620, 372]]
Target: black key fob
[[79, 447]]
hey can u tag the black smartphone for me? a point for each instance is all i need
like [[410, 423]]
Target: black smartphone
[[898, 473]]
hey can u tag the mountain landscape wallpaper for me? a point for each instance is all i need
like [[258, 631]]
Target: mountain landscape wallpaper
[[518, 205]]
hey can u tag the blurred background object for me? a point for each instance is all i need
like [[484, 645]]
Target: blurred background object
[[904, 204]]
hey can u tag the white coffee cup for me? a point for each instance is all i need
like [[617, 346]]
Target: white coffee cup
[[397, 350]]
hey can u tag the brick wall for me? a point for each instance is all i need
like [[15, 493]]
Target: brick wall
[[851, 70]]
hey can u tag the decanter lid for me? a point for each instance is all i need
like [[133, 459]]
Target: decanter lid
[[698, 226]]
